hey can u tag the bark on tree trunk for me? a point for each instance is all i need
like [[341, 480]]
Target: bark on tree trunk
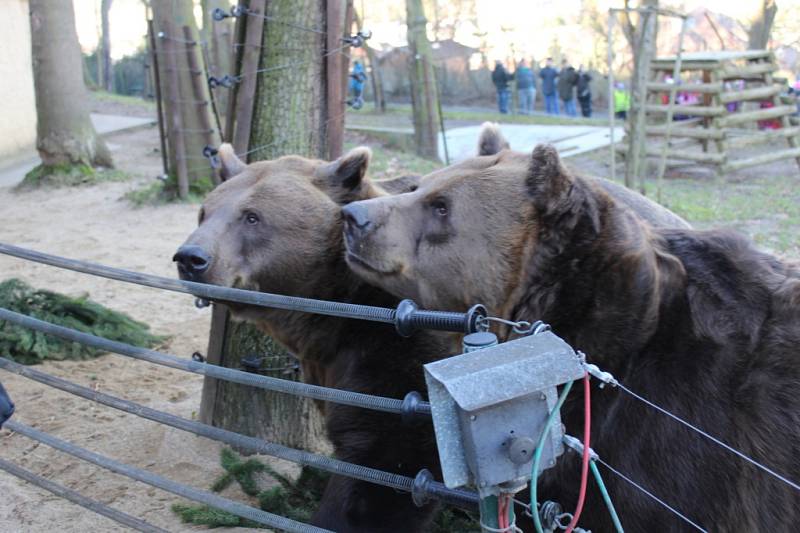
[[760, 29], [107, 82], [64, 131], [423, 83], [193, 108], [290, 113]]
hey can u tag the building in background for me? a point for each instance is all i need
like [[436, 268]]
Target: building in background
[[17, 98]]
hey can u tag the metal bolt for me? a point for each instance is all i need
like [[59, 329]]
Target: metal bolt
[[472, 417], [543, 396]]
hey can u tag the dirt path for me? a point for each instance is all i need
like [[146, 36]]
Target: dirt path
[[94, 224]]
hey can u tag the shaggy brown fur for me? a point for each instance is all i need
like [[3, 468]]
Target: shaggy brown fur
[[276, 226], [698, 322]]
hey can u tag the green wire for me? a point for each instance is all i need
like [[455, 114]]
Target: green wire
[[606, 496], [538, 455]]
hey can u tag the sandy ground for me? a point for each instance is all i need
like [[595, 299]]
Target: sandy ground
[[94, 224]]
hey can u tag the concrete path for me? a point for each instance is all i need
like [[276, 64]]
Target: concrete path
[[569, 140], [13, 170]]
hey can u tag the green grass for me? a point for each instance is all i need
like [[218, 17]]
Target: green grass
[[391, 163], [165, 192], [67, 175], [767, 209], [123, 99]]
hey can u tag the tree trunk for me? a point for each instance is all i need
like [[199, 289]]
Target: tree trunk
[[376, 78], [644, 43], [760, 29], [107, 81], [219, 38], [189, 102], [64, 131], [423, 83], [290, 115]]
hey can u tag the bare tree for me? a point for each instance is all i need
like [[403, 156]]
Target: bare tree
[[106, 80], [761, 26], [423, 82], [64, 132]]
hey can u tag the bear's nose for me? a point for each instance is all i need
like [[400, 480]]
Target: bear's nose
[[192, 261], [356, 216]]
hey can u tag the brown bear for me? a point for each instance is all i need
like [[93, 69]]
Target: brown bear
[[698, 322], [276, 226]]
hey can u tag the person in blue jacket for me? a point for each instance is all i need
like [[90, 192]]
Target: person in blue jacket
[[6, 406], [526, 86], [357, 78], [549, 75]]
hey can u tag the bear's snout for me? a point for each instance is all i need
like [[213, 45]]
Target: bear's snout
[[192, 261], [356, 224]]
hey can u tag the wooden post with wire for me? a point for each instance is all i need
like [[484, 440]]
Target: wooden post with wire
[[237, 51], [337, 76], [174, 122], [246, 92], [159, 104], [201, 102]]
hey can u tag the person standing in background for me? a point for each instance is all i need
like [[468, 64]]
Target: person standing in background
[[622, 101], [526, 86], [549, 75], [584, 90], [357, 78], [500, 78], [567, 79]]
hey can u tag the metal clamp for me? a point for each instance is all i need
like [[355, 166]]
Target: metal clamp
[[522, 327], [212, 154], [359, 39], [605, 378], [226, 81]]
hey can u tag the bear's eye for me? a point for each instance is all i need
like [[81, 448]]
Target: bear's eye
[[251, 218], [439, 208]]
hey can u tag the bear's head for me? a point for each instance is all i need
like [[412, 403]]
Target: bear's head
[[462, 237], [275, 226]]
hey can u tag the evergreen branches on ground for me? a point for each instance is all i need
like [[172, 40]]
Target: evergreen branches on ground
[[29, 347], [293, 499]]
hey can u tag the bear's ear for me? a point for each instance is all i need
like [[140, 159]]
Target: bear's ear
[[345, 178], [548, 181], [491, 141], [400, 184], [231, 164]]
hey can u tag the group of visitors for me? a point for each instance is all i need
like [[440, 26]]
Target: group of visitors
[[565, 84]]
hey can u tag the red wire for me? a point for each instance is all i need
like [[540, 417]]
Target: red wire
[[587, 428]]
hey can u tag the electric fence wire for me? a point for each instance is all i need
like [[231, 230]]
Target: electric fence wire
[[463, 498], [305, 390], [650, 495], [79, 499], [154, 480], [710, 437]]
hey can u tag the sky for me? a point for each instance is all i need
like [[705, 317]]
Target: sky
[[526, 25]]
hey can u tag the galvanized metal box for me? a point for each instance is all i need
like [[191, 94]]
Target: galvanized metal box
[[489, 408]]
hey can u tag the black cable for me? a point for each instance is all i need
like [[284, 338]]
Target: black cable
[[208, 498], [78, 498], [432, 488], [306, 390], [406, 319]]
